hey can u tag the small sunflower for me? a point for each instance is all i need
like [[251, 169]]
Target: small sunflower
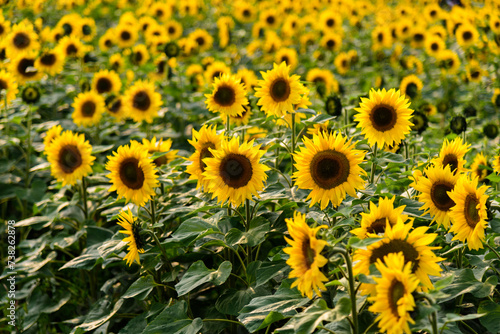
[[279, 91], [203, 140], [324, 80], [173, 29], [53, 133], [69, 155], [162, 146], [71, 46], [116, 62], [22, 38], [466, 35], [287, 55], [24, 68], [106, 82], [474, 71], [115, 107], [329, 166], [8, 88], [125, 36], [87, 29], [248, 78], [375, 221], [342, 63], [331, 41], [305, 256], [214, 70], [142, 102], [496, 164], [495, 99], [240, 120], [434, 45], [449, 61], [227, 97], [479, 166], [469, 214], [452, 154], [88, 108], [384, 117], [139, 55], [202, 38], [51, 61], [235, 173], [411, 86], [133, 174], [134, 240], [394, 300]]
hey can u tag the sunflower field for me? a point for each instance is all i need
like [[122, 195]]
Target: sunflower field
[[250, 166]]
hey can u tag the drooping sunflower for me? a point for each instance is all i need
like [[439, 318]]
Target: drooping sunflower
[[415, 248], [279, 91], [51, 62], [88, 108], [394, 300], [329, 166], [162, 146], [305, 256], [479, 166], [203, 140], [24, 68], [134, 240], [434, 188], [22, 38], [375, 221], [452, 154], [469, 215], [53, 133], [70, 157], [133, 174], [384, 117], [411, 86], [8, 88], [234, 173], [125, 35], [106, 81], [142, 102], [227, 97]]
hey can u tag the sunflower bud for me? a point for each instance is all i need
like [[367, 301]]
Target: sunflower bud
[[490, 130], [470, 111], [419, 121], [333, 106], [31, 94], [458, 124], [171, 49]]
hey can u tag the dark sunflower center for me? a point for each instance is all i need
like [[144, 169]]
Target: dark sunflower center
[[88, 108], [451, 160], [115, 106], [378, 226], [236, 170], [440, 196], [69, 158], [159, 12], [160, 68], [246, 13], [396, 292], [418, 37], [2, 29], [467, 35], [103, 85], [434, 46], [171, 30], [285, 59], [329, 169], [308, 253], [30, 94], [125, 35], [380, 37], [433, 13], [411, 90], [200, 41], [71, 49], [330, 43], [136, 232], [141, 101], [159, 161], [344, 63], [471, 213], [68, 29], [216, 74], [21, 40], [86, 30], [497, 101], [330, 22], [280, 90], [383, 118], [205, 153], [3, 85], [48, 59], [108, 43], [131, 174], [225, 96], [474, 74], [270, 19], [396, 246], [24, 64], [137, 57]]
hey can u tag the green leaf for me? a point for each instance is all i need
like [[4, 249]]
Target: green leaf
[[143, 284], [491, 312], [465, 282], [199, 274], [193, 229], [355, 242], [39, 302], [87, 260], [135, 325], [269, 270], [232, 301], [37, 220], [100, 313], [307, 321], [450, 317], [253, 237], [174, 320]]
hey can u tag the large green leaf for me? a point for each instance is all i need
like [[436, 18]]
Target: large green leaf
[[199, 274], [253, 237], [491, 318], [465, 282], [232, 301], [193, 229], [174, 320], [269, 270], [39, 302], [142, 287], [101, 312]]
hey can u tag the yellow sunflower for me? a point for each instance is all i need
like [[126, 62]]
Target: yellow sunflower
[[452, 154], [434, 45], [474, 71], [133, 174], [23, 67], [4, 27], [116, 62], [331, 41], [88, 108], [240, 120], [411, 86], [287, 55], [394, 300], [384, 117], [87, 29], [342, 63], [142, 102], [202, 38], [466, 35], [479, 166], [469, 215], [106, 81], [51, 62], [235, 173], [305, 256], [70, 157], [71, 46], [248, 79], [214, 70], [449, 61], [53, 133], [115, 107], [125, 36], [8, 88], [228, 96], [22, 38], [134, 240], [139, 55], [434, 188], [279, 91], [329, 165], [415, 248], [324, 80], [162, 146], [375, 221], [173, 29], [203, 140]]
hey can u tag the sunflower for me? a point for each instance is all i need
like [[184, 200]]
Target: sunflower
[[135, 240], [415, 248], [248, 78], [162, 146], [494, 24], [133, 174], [479, 166], [69, 155], [331, 41], [342, 63], [474, 71], [324, 81], [434, 45], [51, 134], [160, 11], [116, 62], [449, 61], [202, 38], [329, 20], [469, 214], [240, 120], [318, 128], [329, 165], [87, 29], [305, 256], [381, 38], [466, 35], [496, 164], [428, 109], [173, 29], [24, 68], [139, 55], [51, 62], [71, 46], [411, 86], [495, 99], [4, 27], [287, 55], [452, 154], [279, 91], [375, 221], [88, 108], [270, 18], [68, 23], [22, 38], [125, 36], [394, 300], [245, 12], [203, 140], [142, 102], [234, 173], [8, 88], [384, 117], [227, 97], [106, 81], [215, 70], [114, 105], [418, 37]]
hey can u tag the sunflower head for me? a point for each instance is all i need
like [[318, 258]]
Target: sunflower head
[[227, 97], [31, 94], [142, 102], [135, 239], [88, 108], [452, 154], [162, 146]]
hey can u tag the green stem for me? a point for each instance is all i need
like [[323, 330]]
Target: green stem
[[293, 142], [492, 249], [374, 165], [434, 322], [326, 329], [228, 126], [84, 198], [164, 255], [248, 216], [224, 320], [28, 154]]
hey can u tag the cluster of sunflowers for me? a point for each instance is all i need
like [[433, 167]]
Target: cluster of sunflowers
[[262, 139]]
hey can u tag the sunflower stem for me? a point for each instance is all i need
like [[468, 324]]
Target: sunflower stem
[[293, 141], [248, 215], [84, 198], [228, 125], [374, 165], [28, 154], [492, 249]]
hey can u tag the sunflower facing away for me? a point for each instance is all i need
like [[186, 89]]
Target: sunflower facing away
[[496, 164], [134, 240], [452, 154], [70, 157], [279, 91], [479, 166], [384, 117], [203, 140], [53, 133], [133, 174], [162, 146], [88, 108], [142, 102], [305, 256], [328, 165], [106, 82], [235, 173], [227, 97], [375, 221], [394, 300], [468, 216]]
